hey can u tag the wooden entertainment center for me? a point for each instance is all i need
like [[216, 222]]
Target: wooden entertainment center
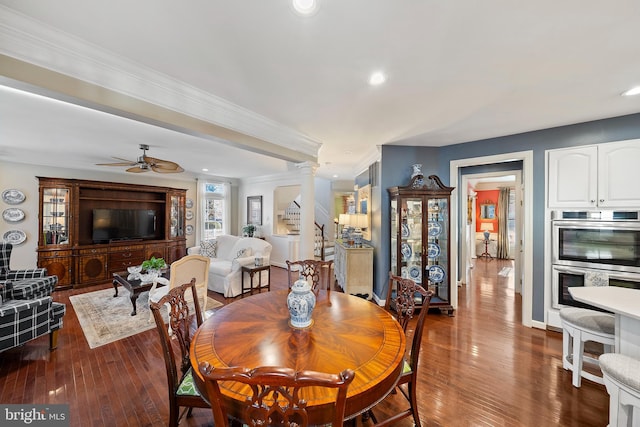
[[66, 245]]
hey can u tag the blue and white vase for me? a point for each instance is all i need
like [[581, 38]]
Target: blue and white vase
[[301, 301]]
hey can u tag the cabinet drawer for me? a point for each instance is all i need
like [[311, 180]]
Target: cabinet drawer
[[126, 256], [54, 254], [128, 248], [92, 251]]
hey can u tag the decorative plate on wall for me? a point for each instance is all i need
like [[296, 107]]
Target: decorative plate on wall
[[189, 203], [14, 237], [189, 215], [13, 215], [189, 229], [13, 196]]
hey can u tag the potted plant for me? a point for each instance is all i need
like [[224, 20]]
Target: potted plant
[[248, 230], [154, 264]]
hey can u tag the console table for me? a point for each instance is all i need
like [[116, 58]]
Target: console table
[[354, 269]]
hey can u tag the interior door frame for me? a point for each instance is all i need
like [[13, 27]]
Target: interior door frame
[[459, 210]]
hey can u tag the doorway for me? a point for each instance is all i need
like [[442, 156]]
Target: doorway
[[459, 206]]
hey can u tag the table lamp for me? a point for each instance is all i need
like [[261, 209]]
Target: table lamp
[[487, 227]]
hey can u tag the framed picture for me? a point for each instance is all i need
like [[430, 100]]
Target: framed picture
[[254, 210]]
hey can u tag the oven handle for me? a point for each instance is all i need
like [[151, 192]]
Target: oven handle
[[569, 270]]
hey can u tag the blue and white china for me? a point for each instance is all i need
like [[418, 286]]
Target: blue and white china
[[414, 273], [301, 302], [436, 274], [189, 229], [435, 228], [405, 230], [15, 237], [13, 215], [13, 196], [406, 250], [404, 273], [189, 203], [433, 250]]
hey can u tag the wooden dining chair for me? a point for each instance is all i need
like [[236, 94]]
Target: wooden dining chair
[[182, 271], [404, 308], [275, 396], [182, 390], [319, 273]]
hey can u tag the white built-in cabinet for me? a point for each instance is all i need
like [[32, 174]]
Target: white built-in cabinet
[[604, 176]]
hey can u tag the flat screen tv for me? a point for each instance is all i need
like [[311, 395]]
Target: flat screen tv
[[124, 224]]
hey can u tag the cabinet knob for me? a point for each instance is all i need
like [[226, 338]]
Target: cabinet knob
[[601, 200]]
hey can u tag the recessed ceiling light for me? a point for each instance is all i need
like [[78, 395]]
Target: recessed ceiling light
[[205, 170], [632, 91], [305, 7], [377, 78]]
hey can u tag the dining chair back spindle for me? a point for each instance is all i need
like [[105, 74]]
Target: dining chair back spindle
[[317, 273], [403, 305], [275, 394], [182, 390]]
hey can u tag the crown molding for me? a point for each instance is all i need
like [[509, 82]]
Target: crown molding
[[36, 43], [372, 155]]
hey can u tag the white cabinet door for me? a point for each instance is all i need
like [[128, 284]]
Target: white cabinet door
[[573, 178], [619, 174]]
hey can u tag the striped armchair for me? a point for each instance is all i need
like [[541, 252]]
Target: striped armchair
[[25, 284]]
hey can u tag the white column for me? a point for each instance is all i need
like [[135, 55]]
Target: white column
[[307, 209]]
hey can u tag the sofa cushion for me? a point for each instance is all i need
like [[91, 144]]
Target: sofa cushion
[[220, 267], [209, 248]]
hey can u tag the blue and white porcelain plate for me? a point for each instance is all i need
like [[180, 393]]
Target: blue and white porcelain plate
[[405, 230], [15, 237], [414, 273], [436, 274], [13, 196], [406, 250], [433, 250], [435, 228]]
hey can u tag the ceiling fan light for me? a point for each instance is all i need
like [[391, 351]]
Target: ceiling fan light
[[305, 7], [632, 91]]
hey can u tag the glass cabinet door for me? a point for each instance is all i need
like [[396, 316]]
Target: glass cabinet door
[[177, 217], [411, 214], [394, 237], [438, 248], [55, 216]]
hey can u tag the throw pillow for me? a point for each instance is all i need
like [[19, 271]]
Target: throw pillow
[[209, 248], [243, 253]]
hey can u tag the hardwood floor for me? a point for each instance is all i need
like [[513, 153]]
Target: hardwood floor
[[478, 368]]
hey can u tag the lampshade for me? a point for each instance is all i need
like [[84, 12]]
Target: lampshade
[[486, 226], [359, 220], [343, 219]]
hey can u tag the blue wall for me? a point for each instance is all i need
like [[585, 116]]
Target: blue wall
[[396, 170]]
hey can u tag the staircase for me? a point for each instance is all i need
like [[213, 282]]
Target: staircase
[[322, 248]]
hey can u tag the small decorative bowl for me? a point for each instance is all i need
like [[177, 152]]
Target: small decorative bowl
[[134, 269]]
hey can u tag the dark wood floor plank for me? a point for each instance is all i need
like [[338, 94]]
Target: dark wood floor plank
[[478, 368]]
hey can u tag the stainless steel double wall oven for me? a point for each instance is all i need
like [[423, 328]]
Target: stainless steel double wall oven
[[594, 248]]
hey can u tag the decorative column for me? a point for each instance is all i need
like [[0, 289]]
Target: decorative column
[[307, 209]]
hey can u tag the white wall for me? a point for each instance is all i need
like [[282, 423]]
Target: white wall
[[24, 178]]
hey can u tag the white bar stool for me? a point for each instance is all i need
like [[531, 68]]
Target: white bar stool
[[580, 325], [622, 378]]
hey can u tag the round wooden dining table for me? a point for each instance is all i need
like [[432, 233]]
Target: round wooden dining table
[[347, 332]]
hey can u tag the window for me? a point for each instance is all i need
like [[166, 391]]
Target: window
[[214, 205]]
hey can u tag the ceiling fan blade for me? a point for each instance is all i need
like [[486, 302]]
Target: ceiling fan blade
[[162, 169], [115, 164], [166, 165], [137, 169]]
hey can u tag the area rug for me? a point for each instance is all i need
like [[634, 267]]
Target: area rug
[[105, 319]]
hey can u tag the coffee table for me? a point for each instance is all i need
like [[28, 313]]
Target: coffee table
[[134, 286]]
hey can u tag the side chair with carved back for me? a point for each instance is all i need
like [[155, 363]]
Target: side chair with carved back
[[275, 395], [401, 300], [181, 387], [318, 273]]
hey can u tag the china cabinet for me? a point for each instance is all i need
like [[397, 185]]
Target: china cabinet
[[72, 242], [420, 236]]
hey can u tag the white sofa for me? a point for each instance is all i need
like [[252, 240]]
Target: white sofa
[[228, 256]]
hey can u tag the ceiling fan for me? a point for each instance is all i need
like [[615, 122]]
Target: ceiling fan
[[145, 163]]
